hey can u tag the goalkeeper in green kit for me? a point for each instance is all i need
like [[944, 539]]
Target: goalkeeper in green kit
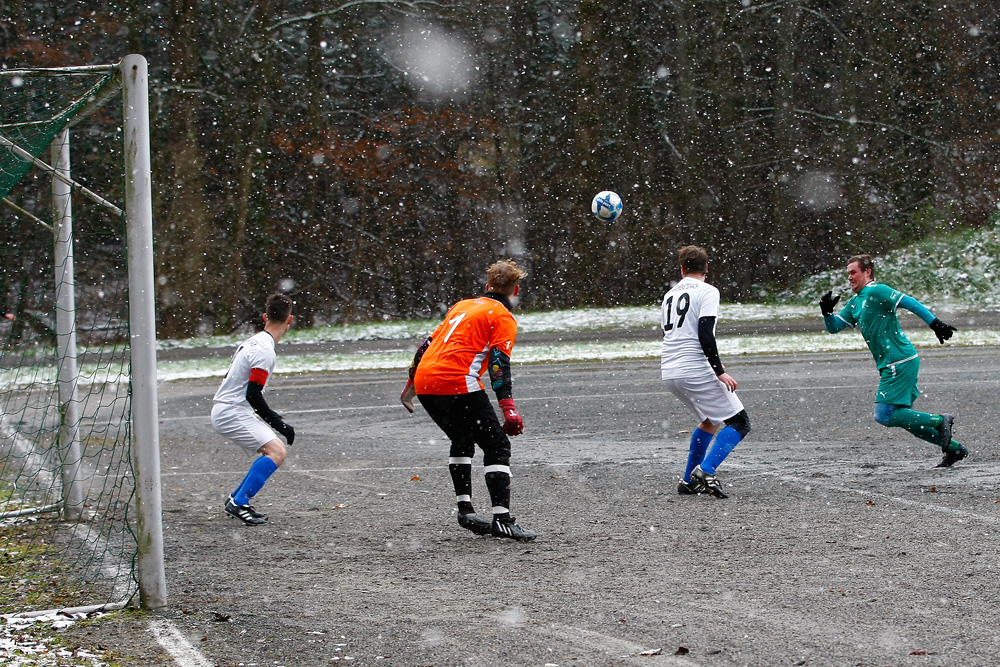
[[873, 310]]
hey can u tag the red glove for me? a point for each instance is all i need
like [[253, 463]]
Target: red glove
[[512, 422], [406, 398]]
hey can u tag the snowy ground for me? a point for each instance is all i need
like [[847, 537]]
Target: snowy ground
[[602, 335], [840, 543], [27, 642]]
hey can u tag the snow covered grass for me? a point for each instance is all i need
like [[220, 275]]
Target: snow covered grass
[[557, 321], [960, 271], [529, 353], [30, 642]]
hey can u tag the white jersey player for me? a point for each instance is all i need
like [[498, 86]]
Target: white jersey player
[[239, 408], [692, 370]]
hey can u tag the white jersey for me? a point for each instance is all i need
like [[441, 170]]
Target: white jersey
[[682, 355], [255, 358]]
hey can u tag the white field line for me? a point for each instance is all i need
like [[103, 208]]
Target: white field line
[[174, 643], [528, 399], [612, 647], [867, 493]]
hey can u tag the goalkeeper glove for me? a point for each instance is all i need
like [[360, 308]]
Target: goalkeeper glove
[[512, 422], [941, 330], [828, 303], [406, 398]]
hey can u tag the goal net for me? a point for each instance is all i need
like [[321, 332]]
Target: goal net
[[76, 488]]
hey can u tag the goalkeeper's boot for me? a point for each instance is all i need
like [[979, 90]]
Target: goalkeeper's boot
[[711, 484], [944, 429], [504, 525], [244, 513], [692, 488], [475, 523], [953, 456]]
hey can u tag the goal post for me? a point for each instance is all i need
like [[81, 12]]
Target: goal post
[[66, 351], [142, 330], [93, 456]]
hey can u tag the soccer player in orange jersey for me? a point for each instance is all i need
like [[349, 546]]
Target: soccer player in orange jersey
[[477, 335]]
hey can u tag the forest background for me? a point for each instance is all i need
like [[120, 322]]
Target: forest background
[[370, 157]]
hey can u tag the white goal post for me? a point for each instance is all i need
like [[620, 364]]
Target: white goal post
[[132, 75], [142, 326]]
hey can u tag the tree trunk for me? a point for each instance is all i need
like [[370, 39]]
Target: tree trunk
[[184, 226]]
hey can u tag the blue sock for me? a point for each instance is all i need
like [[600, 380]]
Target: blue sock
[[699, 443], [725, 442], [260, 470]]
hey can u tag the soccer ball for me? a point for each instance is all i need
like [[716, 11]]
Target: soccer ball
[[607, 206]]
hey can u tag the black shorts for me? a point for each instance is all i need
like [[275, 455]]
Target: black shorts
[[469, 420]]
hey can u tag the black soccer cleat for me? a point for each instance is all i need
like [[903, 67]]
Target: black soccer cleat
[[692, 488], [244, 513], [252, 509], [507, 527], [475, 523], [944, 430], [952, 457], [711, 484]]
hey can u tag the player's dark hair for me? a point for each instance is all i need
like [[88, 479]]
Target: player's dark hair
[[865, 263], [278, 308], [503, 276], [693, 259]]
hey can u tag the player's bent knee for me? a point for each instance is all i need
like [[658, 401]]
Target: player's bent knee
[[883, 413], [274, 450], [740, 423]]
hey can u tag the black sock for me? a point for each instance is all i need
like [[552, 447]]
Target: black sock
[[498, 484]]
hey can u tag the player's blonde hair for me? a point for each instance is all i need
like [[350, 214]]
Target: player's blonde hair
[[503, 276]]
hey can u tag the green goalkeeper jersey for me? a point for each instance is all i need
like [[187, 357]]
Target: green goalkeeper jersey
[[873, 311]]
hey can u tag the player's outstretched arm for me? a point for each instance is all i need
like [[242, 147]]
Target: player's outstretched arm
[[941, 330], [827, 304]]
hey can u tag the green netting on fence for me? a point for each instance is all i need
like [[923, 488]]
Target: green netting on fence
[[49, 445], [31, 115]]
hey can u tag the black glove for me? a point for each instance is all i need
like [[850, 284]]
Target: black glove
[[287, 431], [941, 330], [277, 422], [828, 303]]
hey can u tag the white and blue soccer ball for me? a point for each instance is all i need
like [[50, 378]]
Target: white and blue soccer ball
[[607, 206]]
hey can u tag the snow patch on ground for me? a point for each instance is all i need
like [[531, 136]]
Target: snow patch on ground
[[20, 646]]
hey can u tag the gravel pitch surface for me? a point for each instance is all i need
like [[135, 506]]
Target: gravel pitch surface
[[840, 543]]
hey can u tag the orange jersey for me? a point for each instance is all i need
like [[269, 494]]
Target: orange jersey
[[459, 349]]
